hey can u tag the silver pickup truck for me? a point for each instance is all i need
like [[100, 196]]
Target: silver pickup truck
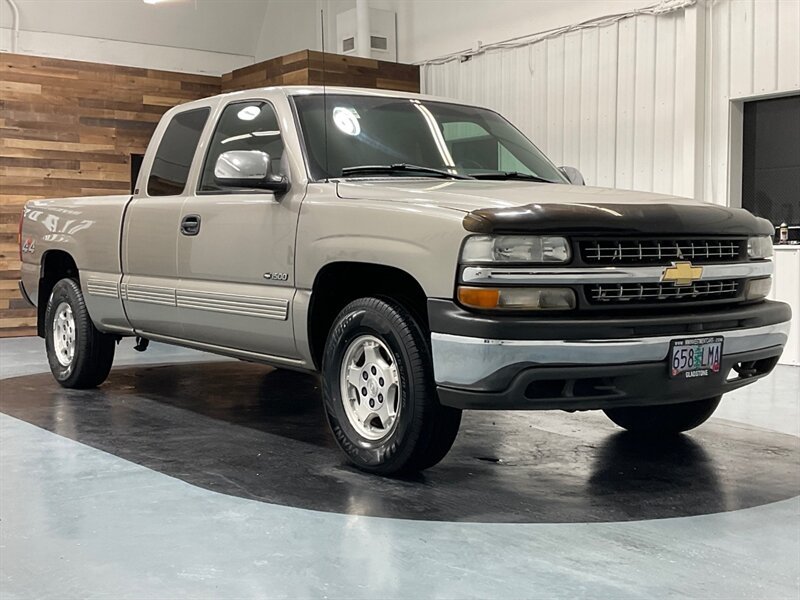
[[422, 254]]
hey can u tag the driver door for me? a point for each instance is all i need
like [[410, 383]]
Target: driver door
[[236, 257]]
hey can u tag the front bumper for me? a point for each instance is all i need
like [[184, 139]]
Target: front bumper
[[592, 363]]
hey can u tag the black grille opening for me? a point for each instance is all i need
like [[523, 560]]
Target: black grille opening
[[624, 251], [646, 293], [587, 387]]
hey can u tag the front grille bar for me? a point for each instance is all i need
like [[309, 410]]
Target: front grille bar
[[513, 275], [649, 292], [637, 251]]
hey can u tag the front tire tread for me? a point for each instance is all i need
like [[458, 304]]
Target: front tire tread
[[432, 428]]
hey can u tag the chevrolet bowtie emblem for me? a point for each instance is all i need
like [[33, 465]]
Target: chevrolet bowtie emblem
[[682, 273]]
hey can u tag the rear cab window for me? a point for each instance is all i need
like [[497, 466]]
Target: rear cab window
[[173, 159]]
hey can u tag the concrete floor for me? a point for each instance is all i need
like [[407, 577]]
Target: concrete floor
[[80, 521]]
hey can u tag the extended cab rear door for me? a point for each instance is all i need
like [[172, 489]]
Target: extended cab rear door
[[152, 223]]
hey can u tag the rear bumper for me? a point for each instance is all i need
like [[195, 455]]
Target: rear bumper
[[595, 363]]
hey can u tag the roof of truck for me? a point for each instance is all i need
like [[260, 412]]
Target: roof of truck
[[303, 90]]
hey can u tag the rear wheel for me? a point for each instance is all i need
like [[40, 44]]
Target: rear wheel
[[79, 355], [664, 419], [379, 391]]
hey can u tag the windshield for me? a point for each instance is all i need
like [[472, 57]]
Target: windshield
[[377, 131]]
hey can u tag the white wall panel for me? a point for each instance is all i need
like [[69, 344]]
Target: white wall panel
[[600, 99], [589, 108], [644, 103], [129, 54], [539, 91], [786, 288], [573, 58], [740, 38], [554, 80], [788, 43], [765, 47], [754, 50], [229, 27], [607, 108], [432, 28], [665, 104], [644, 106], [626, 104]]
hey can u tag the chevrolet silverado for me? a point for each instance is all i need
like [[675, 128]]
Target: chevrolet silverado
[[421, 254]]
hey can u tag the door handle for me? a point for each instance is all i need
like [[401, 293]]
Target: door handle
[[190, 225]]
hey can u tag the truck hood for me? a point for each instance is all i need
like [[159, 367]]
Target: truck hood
[[522, 206]]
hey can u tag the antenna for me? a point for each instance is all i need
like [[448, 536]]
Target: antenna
[[324, 94]]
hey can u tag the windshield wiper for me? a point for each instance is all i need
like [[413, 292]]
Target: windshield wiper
[[506, 175], [399, 168]]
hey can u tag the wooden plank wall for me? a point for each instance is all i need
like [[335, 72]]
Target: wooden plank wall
[[291, 69], [337, 69], [309, 67], [68, 128]]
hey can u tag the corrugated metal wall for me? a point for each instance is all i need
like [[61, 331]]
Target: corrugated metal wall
[[619, 102], [603, 99]]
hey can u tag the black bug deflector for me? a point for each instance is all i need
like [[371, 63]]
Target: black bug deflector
[[676, 219]]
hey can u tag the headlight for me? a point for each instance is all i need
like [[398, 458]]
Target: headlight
[[759, 247], [515, 249], [755, 289], [517, 298]]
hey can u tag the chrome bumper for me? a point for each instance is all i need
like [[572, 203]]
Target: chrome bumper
[[462, 362]]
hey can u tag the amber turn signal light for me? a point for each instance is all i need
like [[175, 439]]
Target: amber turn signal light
[[517, 298], [479, 297]]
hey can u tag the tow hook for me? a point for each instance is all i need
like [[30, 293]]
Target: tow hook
[[141, 344]]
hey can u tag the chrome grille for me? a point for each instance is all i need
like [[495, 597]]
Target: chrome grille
[[659, 251], [643, 293]]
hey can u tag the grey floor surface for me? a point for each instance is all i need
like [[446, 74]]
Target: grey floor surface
[[76, 522]]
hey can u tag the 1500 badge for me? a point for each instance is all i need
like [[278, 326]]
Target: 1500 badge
[[276, 276]]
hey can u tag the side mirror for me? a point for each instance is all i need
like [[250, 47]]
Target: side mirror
[[574, 176], [248, 169]]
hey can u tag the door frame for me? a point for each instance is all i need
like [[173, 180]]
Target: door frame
[[736, 141]]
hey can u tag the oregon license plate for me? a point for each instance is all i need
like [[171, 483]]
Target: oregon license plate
[[695, 357]]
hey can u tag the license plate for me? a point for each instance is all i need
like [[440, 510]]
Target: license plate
[[695, 357]]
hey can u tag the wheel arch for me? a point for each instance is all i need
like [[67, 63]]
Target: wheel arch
[[339, 283], [55, 265]]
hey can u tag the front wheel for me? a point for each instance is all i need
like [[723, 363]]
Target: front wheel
[[379, 392], [664, 419], [80, 356]]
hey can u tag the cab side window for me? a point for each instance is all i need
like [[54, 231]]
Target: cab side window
[[243, 126], [174, 156]]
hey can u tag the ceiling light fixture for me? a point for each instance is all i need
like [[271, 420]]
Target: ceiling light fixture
[[346, 120], [248, 113]]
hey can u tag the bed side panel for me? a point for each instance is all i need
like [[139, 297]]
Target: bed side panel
[[88, 229]]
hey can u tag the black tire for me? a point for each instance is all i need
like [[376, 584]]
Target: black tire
[[93, 351], [666, 418], [425, 430]]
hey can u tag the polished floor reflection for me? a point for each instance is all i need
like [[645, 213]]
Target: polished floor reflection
[[259, 433], [192, 478]]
